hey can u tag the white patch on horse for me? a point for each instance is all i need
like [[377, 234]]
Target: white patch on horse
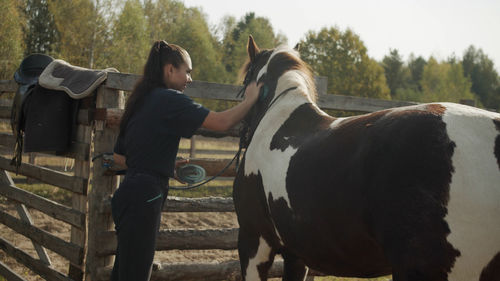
[[262, 256], [474, 206], [273, 164], [337, 122], [280, 49]]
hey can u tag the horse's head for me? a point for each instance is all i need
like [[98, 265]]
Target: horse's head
[[279, 70]]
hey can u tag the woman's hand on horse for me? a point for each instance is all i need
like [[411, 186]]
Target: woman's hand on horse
[[252, 92]]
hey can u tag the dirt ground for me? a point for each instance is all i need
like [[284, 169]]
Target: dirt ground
[[169, 221]]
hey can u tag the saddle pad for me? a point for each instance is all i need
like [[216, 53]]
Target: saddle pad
[[77, 82]]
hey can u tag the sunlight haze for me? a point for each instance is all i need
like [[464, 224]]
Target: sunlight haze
[[425, 28]]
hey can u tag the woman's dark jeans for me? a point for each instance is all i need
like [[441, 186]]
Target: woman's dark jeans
[[136, 209]]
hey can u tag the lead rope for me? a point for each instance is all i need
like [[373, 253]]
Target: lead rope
[[237, 156]]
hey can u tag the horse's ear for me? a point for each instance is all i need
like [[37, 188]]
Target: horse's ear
[[252, 48], [297, 47]]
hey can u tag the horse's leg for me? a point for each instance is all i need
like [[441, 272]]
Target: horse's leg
[[294, 268], [256, 255]]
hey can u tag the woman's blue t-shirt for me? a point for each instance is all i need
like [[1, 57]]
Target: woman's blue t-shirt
[[151, 138]]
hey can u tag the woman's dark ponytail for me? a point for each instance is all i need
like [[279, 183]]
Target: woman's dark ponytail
[[161, 53]]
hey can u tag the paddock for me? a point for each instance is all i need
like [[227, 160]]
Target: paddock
[[92, 242]]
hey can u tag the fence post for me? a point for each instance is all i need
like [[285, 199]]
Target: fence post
[[321, 85], [102, 186], [192, 147], [79, 201]]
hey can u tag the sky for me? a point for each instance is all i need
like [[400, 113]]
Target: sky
[[438, 28]]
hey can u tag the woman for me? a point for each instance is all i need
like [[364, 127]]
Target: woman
[[156, 116]]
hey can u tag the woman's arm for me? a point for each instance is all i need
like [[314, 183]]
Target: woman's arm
[[223, 121], [120, 160]]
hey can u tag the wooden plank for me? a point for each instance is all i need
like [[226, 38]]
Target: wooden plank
[[349, 103], [102, 186], [5, 111], [227, 270], [7, 140], [321, 85], [233, 132], [8, 274], [70, 251], [214, 166], [207, 151], [74, 184], [208, 204], [8, 86], [214, 271], [25, 216], [49, 207], [35, 265], [121, 81], [79, 202], [197, 89], [182, 204], [185, 239]]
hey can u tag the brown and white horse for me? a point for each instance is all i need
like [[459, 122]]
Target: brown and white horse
[[413, 191]]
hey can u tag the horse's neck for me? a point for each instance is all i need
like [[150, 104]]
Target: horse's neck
[[286, 107]]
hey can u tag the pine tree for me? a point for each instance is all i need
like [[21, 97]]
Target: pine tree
[[41, 34]]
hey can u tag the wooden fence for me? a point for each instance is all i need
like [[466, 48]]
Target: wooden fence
[[92, 243]]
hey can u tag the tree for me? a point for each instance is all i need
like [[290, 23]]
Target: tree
[[194, 35], [83, 26], [41, 32], [444, 82], [416, 67], [485, 81], [164, 18], [11, 36], [342, 58], [395, 72], [130, 39], [235, 42]]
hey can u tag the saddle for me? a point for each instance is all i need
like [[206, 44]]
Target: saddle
[[45, 107]]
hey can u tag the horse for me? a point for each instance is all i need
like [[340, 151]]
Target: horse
[[411, 191]]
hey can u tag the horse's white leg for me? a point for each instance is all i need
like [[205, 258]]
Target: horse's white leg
[[256, 256]]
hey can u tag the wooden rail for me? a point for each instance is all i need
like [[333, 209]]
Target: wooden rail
[[75, 215]]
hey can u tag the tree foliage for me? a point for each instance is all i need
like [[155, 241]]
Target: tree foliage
[[444, 82], [396, 74], [83, 27], [485, 81], [130, 39], [342, 58], [235, 42], [119, 33], [41, 32], [11, 36]]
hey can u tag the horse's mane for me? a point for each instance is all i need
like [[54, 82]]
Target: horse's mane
[[281, 60]]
